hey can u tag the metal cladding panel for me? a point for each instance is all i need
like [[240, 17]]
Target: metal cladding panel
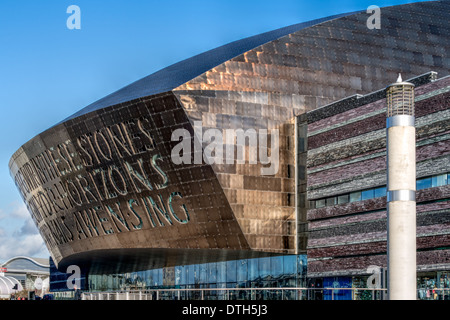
[[340, 57], [263, 204], [183, 71]]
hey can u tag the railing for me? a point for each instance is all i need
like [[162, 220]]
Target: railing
[[261, 294], [241, 294], [65, 295]]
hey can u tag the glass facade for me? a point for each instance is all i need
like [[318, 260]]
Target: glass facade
[[267, 272], [434, 285], [340, 293]]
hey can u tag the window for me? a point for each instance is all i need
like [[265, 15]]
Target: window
[[203, 273], [367, 194], [264, 267], [212, 270], [276, 266], [221, 272], [253, 269], [242, 275], [380, 192], [439, 181], [190, 274], [355, 196], [331, 201], [231, 271], [344, 199], [320, 203], [423, 184]]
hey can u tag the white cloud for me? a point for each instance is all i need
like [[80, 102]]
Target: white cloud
[[19, 235], [28, 228], [29, 245], [20, 211]]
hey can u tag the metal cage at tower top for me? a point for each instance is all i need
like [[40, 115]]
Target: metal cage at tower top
[[400, 99]]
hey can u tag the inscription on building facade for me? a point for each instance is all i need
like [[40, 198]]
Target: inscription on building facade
[[108, 181]]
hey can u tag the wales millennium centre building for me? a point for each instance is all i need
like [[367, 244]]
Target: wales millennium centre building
[[261, 163]]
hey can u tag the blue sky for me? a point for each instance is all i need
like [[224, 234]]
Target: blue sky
[[48, 72]]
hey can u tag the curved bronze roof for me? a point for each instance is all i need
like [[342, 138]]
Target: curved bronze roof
[[181, 72]]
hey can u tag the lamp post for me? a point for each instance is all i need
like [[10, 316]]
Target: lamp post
[[401, 188]]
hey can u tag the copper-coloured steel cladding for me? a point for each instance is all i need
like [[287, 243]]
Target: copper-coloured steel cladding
[[103, 179]]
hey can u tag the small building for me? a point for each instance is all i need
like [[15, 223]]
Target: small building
[[23, 271], [8, 286]]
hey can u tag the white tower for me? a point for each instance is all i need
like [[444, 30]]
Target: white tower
[[401, 191]]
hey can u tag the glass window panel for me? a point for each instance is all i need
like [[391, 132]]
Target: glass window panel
[[196, 273], [276, 266], [180, 276], [301, 270], [116, 282], [159, 277], [190, 274], [440, 180], [203, 273], [231, 271], [367, 194], [221, 272], [380, 192], [423, 184], [355, 196], [253, 269], [153, 276], [264, 267], [289, 264], [212, 273], [331, 201], [242, 275], [149, 281], [320, 203], [343, 199]]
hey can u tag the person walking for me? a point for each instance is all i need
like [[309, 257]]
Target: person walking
[[77, 293]]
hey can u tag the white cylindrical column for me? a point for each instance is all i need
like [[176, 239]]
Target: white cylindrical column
[[401, 187]]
